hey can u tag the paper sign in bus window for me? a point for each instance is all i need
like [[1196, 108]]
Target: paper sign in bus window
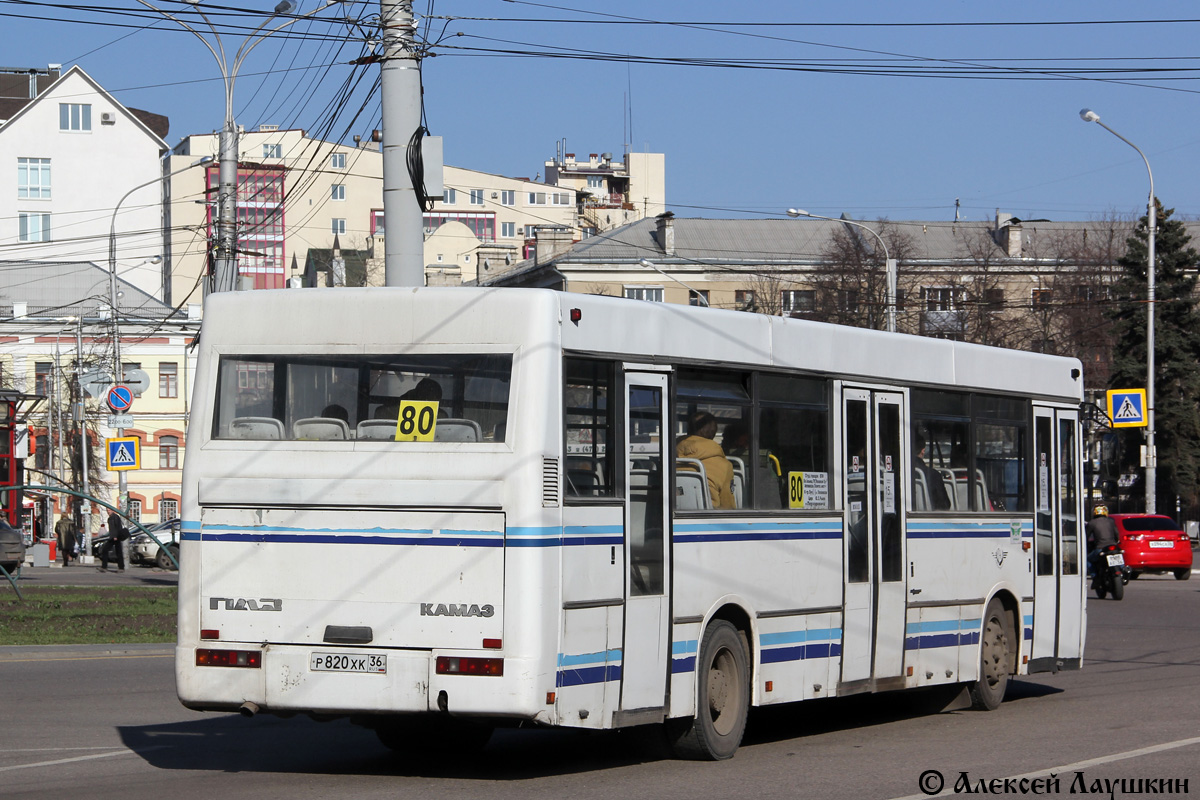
[[417, 421], [808, 490]]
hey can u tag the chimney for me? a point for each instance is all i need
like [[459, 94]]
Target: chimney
[[551, 241], [1008, 234], [666, 232]]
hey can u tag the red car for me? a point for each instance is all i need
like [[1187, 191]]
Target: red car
[[1154, 543]]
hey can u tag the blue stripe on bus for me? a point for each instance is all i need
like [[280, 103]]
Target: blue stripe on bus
[[941, 640], [791, 637], [965, 530], [683, 648], [683, 664], [602, 657], [754, 531], [581, 677], [802, 652], [443, 540]]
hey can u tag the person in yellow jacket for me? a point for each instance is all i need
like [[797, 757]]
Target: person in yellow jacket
[[699, 444]]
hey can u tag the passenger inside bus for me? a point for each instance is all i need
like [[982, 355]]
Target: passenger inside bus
[[699, 444]]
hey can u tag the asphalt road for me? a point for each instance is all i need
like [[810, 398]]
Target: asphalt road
[[101, 722]]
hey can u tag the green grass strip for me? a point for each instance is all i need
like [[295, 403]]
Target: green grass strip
[[78, 615]]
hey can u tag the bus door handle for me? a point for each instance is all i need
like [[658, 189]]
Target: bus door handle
[[914, 591]]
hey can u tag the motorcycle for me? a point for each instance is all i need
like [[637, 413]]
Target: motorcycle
[[1111, 573]]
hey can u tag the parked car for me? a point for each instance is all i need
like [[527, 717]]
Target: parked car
[[12, 547], [1154, 543], [144, 550]]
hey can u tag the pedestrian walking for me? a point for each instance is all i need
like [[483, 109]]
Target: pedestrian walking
[[114, 546], [64, 532]]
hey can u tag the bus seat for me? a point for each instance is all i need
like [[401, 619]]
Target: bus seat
[[920, 492], [695, 465], [255, 428], [739, 466], [379, 429], [691, 491], [320, 428], [457, 430], [739, 488]]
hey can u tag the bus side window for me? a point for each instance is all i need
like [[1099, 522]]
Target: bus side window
[[588, 428], [793, 443]]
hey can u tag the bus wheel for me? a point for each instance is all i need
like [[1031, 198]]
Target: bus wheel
[[722, 699], [995, 658], [430, 735]]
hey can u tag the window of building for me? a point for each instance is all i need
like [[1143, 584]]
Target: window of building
[[337, 191], [134, 511], [337, 161], [508, 197], [993, 299], [847, 300], [508, 229], [530, 231], [33, 179], [41, 378], [33, 226], [477, 197], [595, 182], [272, 151], [168, 379], [939, 298], [262, 255], [560, 198], [481, 223], [448, 196], [1040, 298], [339, 226], [537, 198], [744, 299], [168, 452], [697, 297], [798, 301], [168, 509], [74, 116], [652, 293]]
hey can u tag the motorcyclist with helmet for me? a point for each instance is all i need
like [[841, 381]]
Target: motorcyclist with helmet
[[1100, 532]]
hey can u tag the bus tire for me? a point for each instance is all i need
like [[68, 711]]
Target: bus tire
[[995, 659], [432, 735], [722, 698]]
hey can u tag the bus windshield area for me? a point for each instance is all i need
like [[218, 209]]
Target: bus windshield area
[[403, 398]]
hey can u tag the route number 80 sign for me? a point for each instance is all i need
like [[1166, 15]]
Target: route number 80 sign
[[417, 421]]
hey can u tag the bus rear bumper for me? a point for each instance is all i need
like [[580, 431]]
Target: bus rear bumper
[[286, 682]]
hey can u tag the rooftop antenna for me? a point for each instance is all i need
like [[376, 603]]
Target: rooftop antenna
[[956, 209]]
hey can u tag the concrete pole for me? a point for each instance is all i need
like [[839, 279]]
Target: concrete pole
[[225, 267], [85, 546], [400, 80]]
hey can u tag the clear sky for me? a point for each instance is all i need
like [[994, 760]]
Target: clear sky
[[875, 108]]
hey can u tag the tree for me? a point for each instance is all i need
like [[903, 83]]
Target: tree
[[1176, 353], [851, 285]]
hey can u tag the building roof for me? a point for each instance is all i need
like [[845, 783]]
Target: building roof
[[717, 242], [71, 289]]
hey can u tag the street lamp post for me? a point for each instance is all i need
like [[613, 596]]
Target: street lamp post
[[118, 373], [1087, 115], [225, 277], [890, 263]]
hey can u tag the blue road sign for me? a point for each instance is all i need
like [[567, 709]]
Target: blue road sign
[[119, 399], [1127, 408], [123, 453]]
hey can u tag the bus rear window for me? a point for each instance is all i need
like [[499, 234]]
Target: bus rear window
[[462, 398]]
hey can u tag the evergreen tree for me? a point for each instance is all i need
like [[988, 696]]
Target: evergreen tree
[[1176, 350]]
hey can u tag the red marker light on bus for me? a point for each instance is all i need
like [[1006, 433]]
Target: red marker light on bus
[[576, 315], [453, 665], [491, 644], [210, 633]]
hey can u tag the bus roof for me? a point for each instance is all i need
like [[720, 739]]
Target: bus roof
[[379, 319]]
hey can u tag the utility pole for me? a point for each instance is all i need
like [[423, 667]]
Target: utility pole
[[86, 545], [400, 83]]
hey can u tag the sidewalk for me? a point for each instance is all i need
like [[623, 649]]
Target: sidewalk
[[87, 575]]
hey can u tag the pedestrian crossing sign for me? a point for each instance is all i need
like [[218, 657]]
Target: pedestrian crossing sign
[[1127, 408], [123, 453]]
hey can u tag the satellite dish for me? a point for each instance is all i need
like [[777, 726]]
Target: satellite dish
[[95, 382]]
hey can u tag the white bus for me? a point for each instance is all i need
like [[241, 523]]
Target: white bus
[[437, 511]]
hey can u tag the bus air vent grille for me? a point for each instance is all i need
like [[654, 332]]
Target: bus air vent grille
[[550, 482]]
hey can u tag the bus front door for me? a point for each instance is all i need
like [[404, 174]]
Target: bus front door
[[1059, 552], [647, 539], [873, 613]]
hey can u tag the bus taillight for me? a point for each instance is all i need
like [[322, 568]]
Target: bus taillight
[[453, 665], [229, 658]]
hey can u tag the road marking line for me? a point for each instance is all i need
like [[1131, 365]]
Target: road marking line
[[69, 760], [1077, 766]]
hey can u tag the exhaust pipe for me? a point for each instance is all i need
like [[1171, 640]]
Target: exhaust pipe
[[248, 709]]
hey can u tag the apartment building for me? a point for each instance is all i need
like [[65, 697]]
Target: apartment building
[[88, 174]]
